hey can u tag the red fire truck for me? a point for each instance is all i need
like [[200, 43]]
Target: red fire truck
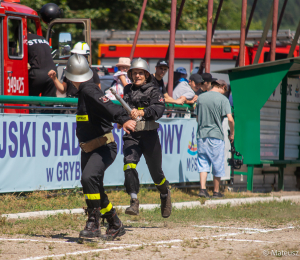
[[16, 20], [62, 34], [189, 47]]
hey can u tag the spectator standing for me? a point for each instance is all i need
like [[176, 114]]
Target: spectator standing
[[120, 78], [188, 89], [206, 85], [211, 109], [161, 69], [40, 62], [66, 87]]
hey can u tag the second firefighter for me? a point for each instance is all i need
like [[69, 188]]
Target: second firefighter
[[147, 102]]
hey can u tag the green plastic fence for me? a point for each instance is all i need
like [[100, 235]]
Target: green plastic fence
[[47, 101]]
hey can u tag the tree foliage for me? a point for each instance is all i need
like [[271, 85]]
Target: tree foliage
[[290, 18], [124, 14]]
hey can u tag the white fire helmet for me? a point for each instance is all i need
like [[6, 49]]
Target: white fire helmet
[[81, 48]]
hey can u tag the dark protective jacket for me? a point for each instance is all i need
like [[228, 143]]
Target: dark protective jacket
[[147, 97], [39, 53], [96, 112]]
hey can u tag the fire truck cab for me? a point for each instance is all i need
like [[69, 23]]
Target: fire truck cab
[[16, 20]]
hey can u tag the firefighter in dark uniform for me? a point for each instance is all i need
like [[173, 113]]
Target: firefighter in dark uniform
[[40, 62], [147, 103], [95, 113]]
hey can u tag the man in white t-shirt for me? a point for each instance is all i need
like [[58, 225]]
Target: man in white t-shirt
[[188, 90]]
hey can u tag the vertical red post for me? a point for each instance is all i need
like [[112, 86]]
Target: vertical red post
[[177, 22], [172, 47], [200, 71], [248, 26], [208, 35], [274, 30], [281, 14], [243, 34], [278, 24], [137, 32]]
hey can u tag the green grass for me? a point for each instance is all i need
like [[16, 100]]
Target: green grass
[[269, 215], [69, 199]]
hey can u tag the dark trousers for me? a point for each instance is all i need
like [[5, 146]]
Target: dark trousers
[[93, 166], [40, 82], [135, 145]]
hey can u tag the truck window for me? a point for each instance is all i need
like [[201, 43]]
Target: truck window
[[15, 39], [278, 56], [31, 26], [75, 31]]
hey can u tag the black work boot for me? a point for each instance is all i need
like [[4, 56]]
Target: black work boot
[[218, 194], [92, 227], [134, 207], [203, 193], [166, 205], [115, 227]]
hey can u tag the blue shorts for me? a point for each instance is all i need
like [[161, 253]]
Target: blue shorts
[[211, 152]]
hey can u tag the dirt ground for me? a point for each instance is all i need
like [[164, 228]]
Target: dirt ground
[[165, 240], [168, 241]]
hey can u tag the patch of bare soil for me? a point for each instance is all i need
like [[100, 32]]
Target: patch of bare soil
[[165, 241]]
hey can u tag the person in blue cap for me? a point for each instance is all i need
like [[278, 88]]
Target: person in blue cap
[[183, 75]]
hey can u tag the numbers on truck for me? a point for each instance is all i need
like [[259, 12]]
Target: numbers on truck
[[15, 85]]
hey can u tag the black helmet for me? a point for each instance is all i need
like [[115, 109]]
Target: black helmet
[[50, 11]]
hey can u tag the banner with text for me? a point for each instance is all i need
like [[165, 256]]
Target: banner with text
[[293, 91], [41, 152]]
